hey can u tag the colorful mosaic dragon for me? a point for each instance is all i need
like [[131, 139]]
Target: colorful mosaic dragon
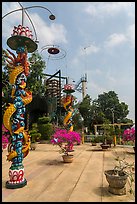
[[14, 115]]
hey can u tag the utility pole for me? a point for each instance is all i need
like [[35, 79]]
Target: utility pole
[[84, 80]]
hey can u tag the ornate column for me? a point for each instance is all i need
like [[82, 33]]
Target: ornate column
[[68, 106], [14, 117]]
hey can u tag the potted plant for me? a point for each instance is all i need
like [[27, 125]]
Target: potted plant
[[45, 128], [35, 136], [94, 140], [66, 140], [109, 140], [106, 128], [104, 144], [118, 176], [129, 135]]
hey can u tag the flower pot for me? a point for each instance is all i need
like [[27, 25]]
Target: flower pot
[[94, 143], [116, 182], [67, 158], [33, 145], [104, 146]]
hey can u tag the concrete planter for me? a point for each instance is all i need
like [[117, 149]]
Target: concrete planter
[[116, 182]]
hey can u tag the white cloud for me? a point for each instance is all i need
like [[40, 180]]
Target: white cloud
[[100, 9], [117, 29], [47, 34], [94, 89], [9, 21], [52, 34], [92, 49], [115, 40], [87, 50], [6, 8], [131, 34]]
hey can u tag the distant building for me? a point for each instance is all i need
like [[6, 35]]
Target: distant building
[[53, 94]]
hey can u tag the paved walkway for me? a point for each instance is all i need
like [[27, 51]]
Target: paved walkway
[[51, 180]]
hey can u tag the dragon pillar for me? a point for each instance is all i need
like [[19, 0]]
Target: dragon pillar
[[14, 116], [68, 106]]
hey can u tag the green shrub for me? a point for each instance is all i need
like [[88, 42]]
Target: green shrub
[[35, 137], [46, 130], [109, 139], [44, 120], [96, 139], [34, 133], [45, 127], [101, 138]]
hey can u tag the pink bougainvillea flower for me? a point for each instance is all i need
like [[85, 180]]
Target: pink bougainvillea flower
[[5, 137], [65, 139], [129, 134]]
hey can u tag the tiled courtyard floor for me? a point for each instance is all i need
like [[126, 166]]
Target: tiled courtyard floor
[[51, 180]]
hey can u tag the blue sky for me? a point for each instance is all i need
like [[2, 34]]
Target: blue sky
[[105, 29]]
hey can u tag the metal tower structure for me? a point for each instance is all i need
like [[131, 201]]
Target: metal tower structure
[[81, 85]]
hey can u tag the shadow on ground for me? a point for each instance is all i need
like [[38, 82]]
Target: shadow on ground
[[103, 191], [46, 150], [3, 184], [130, 152], [94, 150], [53, 162]]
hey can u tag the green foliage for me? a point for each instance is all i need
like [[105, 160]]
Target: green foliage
[[36, 76], [84, 106], [118, 131], [106, 127], [106, 106], [126, 120], [34, 133], [109, 139], [45, 127], [128, 168], [85, 111], [44, 120], [95, 139], [109, 104], [99, 139], [46, 130], [77, 122]]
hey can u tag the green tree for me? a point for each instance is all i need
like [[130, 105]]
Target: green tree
[[106, 106], [111, 107], [85, 110], [84, 107], [77, 122], [35, 80], [91, 112]]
